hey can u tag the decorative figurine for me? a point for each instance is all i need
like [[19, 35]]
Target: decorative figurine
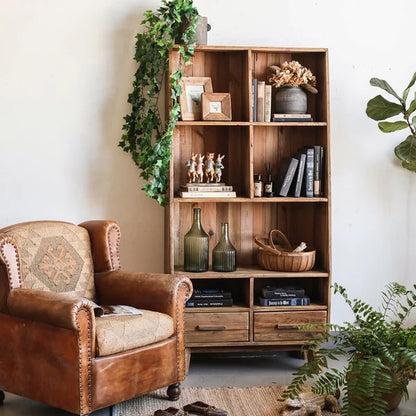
[[200, 168], [218, 167], [191, 164], [209, 168]]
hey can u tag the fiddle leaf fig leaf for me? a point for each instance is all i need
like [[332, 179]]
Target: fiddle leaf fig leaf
[[406, 91], [406, 152], [388, 127], [380, 83], [412, 106], [378, 108]]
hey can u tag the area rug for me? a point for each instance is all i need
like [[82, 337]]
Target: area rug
[[238, 401]]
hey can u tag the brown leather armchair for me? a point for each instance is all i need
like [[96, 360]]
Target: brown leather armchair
[[53, 349]]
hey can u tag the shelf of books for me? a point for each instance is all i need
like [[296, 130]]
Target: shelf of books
[[257, 169]]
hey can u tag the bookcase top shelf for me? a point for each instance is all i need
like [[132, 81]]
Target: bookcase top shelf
[[257, 200]]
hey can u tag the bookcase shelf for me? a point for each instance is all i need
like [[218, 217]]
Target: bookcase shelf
[[247, 146]]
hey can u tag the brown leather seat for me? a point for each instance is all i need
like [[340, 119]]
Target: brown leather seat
[[53, 349]]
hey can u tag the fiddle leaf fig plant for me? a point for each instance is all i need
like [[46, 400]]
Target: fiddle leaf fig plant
[[147, 137], [378, 108]]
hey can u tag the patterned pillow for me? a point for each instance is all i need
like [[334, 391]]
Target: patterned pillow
[[55, 256]]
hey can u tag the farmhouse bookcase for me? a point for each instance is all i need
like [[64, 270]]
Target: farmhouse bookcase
[[247, 146]]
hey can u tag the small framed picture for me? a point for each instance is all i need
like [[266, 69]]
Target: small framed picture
[[191, 101], [216, 106]]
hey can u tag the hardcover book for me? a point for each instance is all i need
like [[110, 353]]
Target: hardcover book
[[201, 303], [115, 310], [270, 292], [260, 100], [285, 301], [267, 103], [254, 98], [207, 194], [297, 183], [317, 174], [286, 174], [206, 187], [210, 294], [308, 175]]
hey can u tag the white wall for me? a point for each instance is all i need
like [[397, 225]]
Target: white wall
[[65, 71]]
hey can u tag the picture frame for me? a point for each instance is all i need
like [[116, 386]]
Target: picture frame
[[191, 97], [216, 106]]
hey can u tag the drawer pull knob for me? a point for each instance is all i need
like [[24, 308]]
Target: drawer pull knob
[[282, 326], [210, 328]]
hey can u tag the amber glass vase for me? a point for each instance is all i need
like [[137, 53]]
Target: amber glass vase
[[224, 255], [196, 246]]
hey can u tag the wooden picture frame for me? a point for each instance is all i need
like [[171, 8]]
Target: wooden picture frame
[[190, 100], [216, 106]]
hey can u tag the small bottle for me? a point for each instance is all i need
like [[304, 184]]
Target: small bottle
[[196, 246], [258, 186], [268, 187]]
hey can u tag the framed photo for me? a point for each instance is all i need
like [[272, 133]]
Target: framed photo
[[216, 106], [191, 101]]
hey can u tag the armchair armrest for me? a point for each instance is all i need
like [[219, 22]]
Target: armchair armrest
[[51, 308], [164, 293]]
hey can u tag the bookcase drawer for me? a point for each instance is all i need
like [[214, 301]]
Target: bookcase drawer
[[283, 326], [216, 327]]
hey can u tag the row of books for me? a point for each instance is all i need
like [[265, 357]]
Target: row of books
[[302, 174], [262, 105], [283, 296], [209, 298]]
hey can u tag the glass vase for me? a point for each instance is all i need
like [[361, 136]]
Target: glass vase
[[224, 255], [196, 243]]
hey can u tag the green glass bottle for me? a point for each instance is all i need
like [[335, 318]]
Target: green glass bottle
[[224, 255], [196, 246]]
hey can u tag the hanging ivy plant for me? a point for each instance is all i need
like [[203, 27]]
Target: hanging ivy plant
[[146, 136]]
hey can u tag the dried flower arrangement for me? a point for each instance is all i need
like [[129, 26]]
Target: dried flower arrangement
[[293, 74]]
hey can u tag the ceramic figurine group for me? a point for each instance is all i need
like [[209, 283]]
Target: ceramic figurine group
[[211, 169]]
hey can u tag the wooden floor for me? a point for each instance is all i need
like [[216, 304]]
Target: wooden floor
[[211, 370]]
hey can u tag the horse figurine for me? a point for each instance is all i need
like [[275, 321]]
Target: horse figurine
[[200, 168], [218, 168], [209, 168], [191, 164]]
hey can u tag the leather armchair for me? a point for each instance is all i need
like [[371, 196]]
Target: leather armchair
[[53, 349]]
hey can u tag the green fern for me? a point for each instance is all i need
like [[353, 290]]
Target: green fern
[[380, 353]]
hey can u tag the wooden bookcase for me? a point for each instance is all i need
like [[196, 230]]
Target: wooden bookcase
[[247, 146]]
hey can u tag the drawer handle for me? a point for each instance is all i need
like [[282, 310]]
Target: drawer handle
[[210, 328], [282, 326]]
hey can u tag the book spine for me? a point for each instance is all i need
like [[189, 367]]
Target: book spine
[[211, 296], [267, 103], [260, 100], [280, 293], [303, 301], [299, 177], [287, 120], [208, 303], [322, 170], [309, 172], [254, 98], [196, 188], [284, 190], [317, 171], [289, 116], [216, 194]]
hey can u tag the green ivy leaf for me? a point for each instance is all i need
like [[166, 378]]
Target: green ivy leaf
[[378, 108], [406, 152], [388, 127], [380, 83]]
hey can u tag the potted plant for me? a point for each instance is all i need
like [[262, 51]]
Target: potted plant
[[380, 353], [290, 78], [378, 108], [146, 136]]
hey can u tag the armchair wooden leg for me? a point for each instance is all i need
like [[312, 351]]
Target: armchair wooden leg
[[174, 391], [1, 397]]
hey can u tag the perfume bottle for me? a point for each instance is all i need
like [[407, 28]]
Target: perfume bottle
[[224, 255], [258, 185], [196, 244]]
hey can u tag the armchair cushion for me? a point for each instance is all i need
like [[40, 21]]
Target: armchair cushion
[[116, 334]]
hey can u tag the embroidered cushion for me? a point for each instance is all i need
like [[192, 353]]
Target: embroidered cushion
[[55, 256]]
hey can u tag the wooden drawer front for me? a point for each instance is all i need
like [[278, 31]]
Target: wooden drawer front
[[282, 326], [216, 327]]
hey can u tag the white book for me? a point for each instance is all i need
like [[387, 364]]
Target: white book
[[268, 103], [201, 194], [291, 116]]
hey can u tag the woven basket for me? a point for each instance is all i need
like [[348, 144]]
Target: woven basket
[[271, 256]]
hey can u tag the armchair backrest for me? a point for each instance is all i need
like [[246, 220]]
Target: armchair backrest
[[48, 255]]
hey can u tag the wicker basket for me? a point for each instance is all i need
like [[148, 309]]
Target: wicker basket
[[271, 256]]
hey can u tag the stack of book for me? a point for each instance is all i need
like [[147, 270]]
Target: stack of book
[[206, 190], [286, 118], [283, 296], [302, 174], [209, 297]]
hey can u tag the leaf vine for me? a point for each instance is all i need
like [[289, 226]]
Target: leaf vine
[[146, 136]]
